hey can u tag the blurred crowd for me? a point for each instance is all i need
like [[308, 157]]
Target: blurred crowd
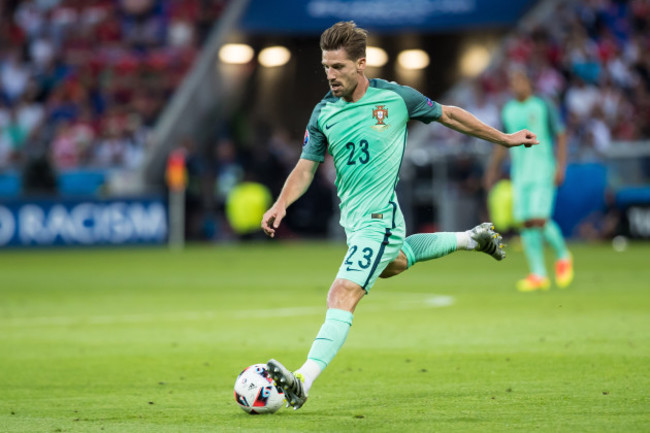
[[82, 82], [591, 58]]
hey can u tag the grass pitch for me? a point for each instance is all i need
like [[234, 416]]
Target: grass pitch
[[148, 340]]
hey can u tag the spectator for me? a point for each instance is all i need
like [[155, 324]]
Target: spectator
[[112, 147], [612, 101], [597, 137], [549, 81], [581, 98], [14, 134], [64, 152], [31, 113], [14, 75]]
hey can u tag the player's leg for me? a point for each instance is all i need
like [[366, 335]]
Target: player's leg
[[428, 246], [553, 235], [529, 207], [564, 263], [342, 300], [563, 260], [368, 254], [532, 241]]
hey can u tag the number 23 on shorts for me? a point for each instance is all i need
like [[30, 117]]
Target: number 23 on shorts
[[353, 260]]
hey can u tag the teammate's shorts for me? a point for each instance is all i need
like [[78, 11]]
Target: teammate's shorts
[[370, 250], [533, 200]]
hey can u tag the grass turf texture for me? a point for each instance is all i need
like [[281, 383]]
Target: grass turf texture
[[151, 341]]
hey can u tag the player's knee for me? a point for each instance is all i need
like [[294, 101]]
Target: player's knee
[[344, 295]]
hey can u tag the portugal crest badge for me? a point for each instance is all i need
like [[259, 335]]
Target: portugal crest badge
[[381, 114]]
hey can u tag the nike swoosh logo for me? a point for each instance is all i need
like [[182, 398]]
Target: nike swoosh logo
[[329, 126], [352, 269]]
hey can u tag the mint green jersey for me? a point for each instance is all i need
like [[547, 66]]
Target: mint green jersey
[[536, 163], [367, 139]]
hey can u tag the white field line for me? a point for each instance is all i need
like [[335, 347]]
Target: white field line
[[384, 303]]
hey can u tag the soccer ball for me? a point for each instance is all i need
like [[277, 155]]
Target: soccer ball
[[255, 391]]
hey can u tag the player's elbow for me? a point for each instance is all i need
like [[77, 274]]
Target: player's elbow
[[449, 115]]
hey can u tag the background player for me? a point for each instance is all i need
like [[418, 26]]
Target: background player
[[362, 124], [535, 173]]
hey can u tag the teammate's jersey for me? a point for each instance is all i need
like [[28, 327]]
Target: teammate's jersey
[[536, 163], [367, 139]]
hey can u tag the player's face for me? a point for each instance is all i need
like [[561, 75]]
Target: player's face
[[520, 85], [342, 72]]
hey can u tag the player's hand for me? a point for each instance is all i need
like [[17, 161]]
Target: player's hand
[[272, 219], [522, 138]]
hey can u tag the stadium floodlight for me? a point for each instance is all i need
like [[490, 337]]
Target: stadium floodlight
[[376, 57], [413, 59], [474, 60], [271, 57], [237, 54]]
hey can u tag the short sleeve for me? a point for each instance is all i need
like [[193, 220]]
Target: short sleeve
[[314, 144], [419, 106]]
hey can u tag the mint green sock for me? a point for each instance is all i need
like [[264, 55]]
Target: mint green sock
[[534, 248], [553, 235], [427, 246], [331, 336]]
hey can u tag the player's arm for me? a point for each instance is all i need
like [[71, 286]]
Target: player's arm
[[492, 170], [294, 187], [462, 121]]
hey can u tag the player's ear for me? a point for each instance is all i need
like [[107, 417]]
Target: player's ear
[[361, 64]]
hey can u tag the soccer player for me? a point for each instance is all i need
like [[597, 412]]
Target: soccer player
[[535, 173], [362, 124]]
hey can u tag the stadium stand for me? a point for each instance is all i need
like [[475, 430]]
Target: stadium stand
[[82, 83], [590, 58], [586, 55]]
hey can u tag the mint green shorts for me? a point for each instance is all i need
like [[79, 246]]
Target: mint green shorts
[[370, 250], [533, 200]]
